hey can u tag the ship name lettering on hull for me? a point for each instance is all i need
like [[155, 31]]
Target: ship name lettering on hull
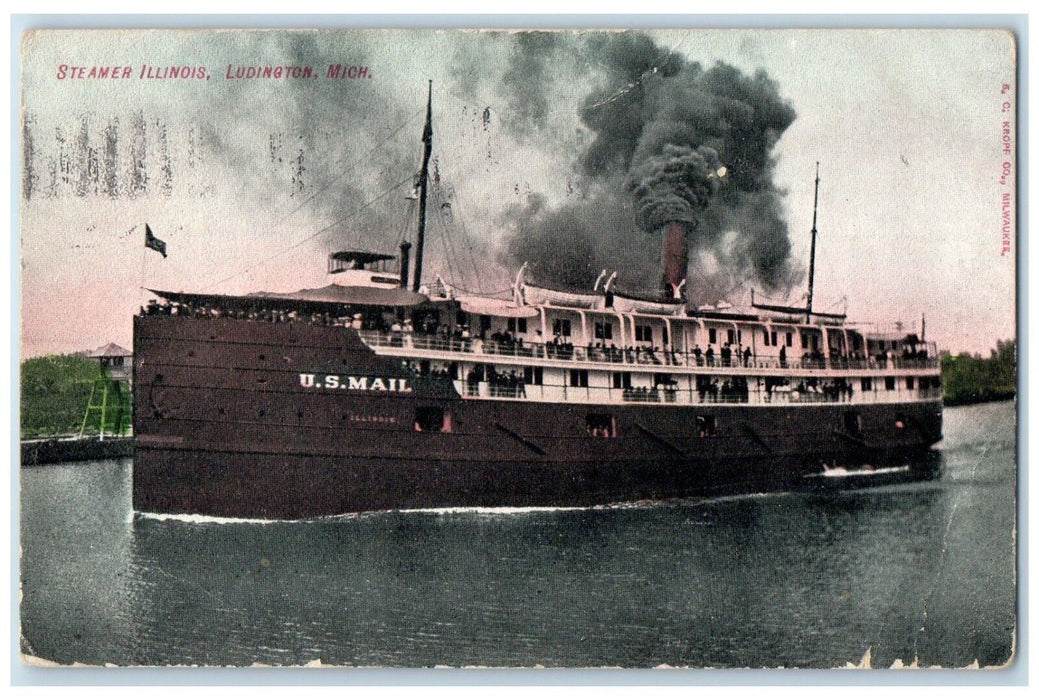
[[335, 381], [365, 418]]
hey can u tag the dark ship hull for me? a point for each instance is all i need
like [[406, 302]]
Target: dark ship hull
[[226, 425]]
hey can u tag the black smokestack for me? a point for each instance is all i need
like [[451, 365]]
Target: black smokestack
[[663, 127]]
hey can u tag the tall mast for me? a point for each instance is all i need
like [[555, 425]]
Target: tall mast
[[811, 261], [423, 182]]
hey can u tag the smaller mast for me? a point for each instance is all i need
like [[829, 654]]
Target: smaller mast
[[811, 263], [427, 140]]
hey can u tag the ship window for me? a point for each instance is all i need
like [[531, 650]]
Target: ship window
[[432, 419], [889, 383], [644, 334], [900, 421], [789, 340], [561, 326], [262, 357], [533, 375], [579, 377], [731, 335], [622, 380], [766, 334], [603, 330], [517, 325], [706, 426], [910, 383], [712, 335], [867, 383], [601, 425], [774, 334]]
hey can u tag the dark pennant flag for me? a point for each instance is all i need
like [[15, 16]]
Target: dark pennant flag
[[150, 241]]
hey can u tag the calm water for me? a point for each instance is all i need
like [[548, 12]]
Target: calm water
[[924, 571]]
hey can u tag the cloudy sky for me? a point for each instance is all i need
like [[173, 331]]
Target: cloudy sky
[[540, 144]]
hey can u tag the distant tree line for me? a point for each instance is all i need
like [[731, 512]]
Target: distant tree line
[[55, 391], [973, 379]]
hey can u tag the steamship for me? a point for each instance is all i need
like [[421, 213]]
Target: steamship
[[382, 391]]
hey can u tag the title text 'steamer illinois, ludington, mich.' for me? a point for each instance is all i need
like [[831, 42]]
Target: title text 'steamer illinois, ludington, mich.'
[[335, 71]]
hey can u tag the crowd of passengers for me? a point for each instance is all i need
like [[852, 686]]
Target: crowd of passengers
[[810, 389], [730, 390], [710, 389], [459, 338], [508, 384]]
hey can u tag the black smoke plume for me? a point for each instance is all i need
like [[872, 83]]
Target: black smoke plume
[[662, 129], [673, 186]]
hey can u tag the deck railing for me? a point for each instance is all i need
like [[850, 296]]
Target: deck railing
[[686, 396], [637, 357]]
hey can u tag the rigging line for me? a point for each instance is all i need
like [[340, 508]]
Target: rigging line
[[442, 198], [378, 238], [448, 251], [467, 239], [627, 88], [313, 236], [774, 300], [730, 290], [357, 211], [341, 174], [405, 223], [507, 290], [836, 303], [460, 244], [446, 233], [638, 81]]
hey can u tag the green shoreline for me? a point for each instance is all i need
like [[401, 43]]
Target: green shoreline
[[970, 379], [987, 398]]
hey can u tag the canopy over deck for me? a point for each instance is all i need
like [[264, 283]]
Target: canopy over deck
[[328, 298]]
